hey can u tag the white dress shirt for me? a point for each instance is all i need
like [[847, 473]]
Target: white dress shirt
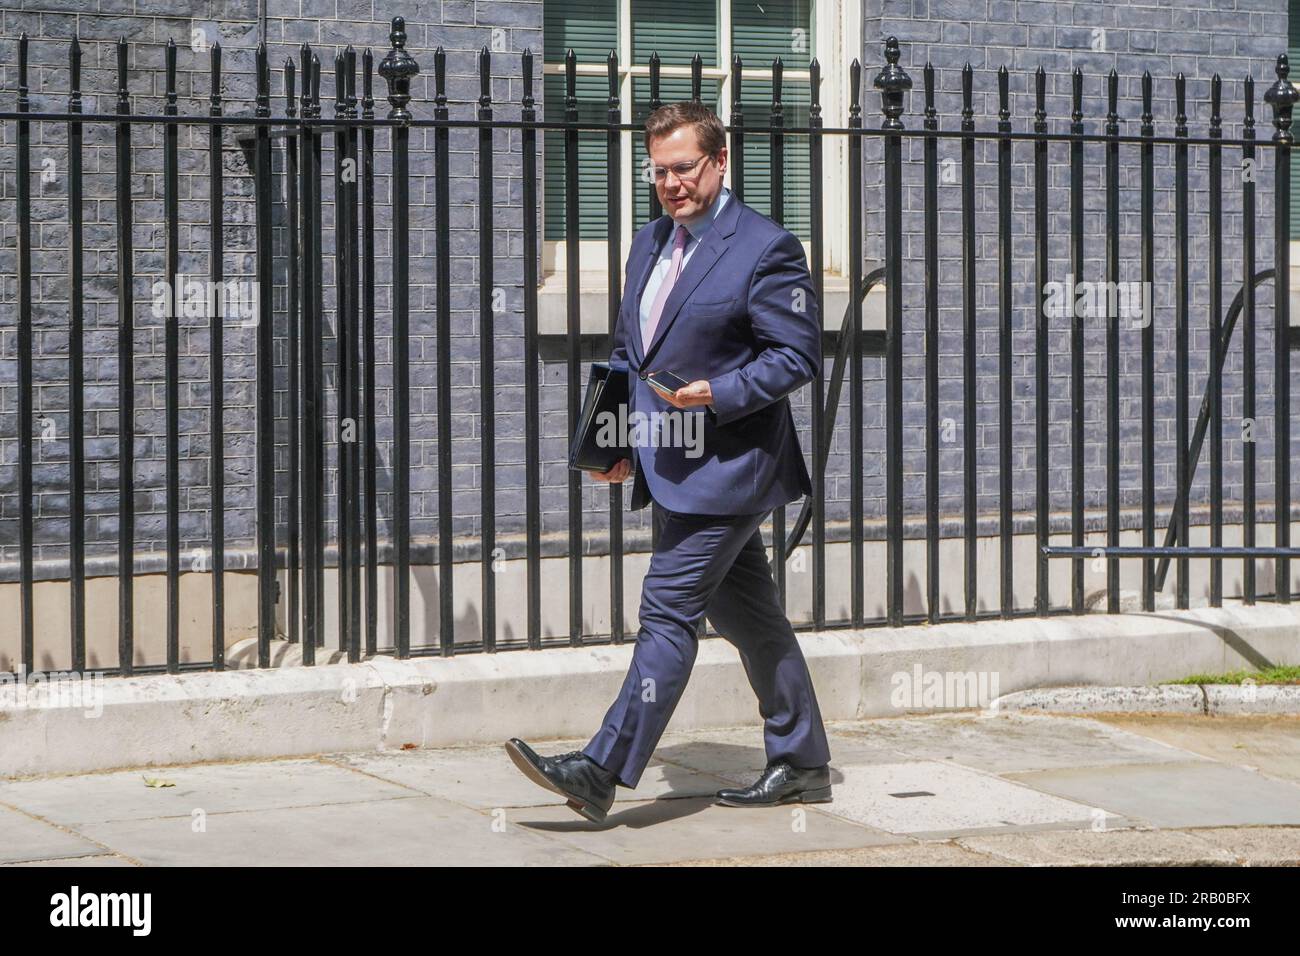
[[695, 228]]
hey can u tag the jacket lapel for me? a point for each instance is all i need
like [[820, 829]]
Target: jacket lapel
[[714, 244], [637, 289]]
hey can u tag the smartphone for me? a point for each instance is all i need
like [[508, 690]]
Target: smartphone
[[666, 383]]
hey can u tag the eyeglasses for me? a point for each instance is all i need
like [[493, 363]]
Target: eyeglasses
[[682, 171]]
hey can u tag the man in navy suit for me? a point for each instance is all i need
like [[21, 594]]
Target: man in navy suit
[[719, 295]]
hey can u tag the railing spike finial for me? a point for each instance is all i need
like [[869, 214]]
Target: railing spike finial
[[1148, 119], [1248, 92], [855, 89], [1281, 96], [1180, 101], [814, 88], [1040, 100], [123, 99], [893, 82], [1112, 103], [1076, 113], [484, 78], [931, 114], [1004, 99], [967, 98], [397, 69], [74, 76], [526, 65]]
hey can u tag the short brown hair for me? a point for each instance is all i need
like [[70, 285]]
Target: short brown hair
[[671, 116]]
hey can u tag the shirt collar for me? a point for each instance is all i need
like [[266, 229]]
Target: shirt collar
[[696, 225]]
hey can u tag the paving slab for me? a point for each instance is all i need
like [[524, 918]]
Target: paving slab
[[76, 861], [665, 831], [738, 755], [938, 800], [1173, 795], [24, 838], [1131, 847], [1255, 846], [902, 854], [485, 778], [1010, 742], [411, 831], [212, 788], [1269, 744]]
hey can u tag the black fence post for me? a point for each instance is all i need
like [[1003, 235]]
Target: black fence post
[[970, 344], [487, 359], [1076, 340], [126, 380], [171, 375], [1182, 512], [1148, 256], [397, 69], [76, 367], [613, 298], [26, 539], [1112, 340], [1215, 384], [816, 265], [931, 251], [1042, 330], [855, 172], [1248, 338], [532, 411], [265, 371], [893, 82], [1004, 345], [1281, 96]]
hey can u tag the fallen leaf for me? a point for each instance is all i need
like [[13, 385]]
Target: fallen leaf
[[157, 782]]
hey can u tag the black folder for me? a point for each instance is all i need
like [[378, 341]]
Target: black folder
[[606, 391]]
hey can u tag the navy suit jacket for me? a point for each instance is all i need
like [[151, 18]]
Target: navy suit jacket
[[743, 316]]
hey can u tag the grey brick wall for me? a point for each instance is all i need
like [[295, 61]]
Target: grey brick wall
[[1232, 38]]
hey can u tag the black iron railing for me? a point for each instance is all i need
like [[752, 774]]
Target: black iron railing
[[296, 133]]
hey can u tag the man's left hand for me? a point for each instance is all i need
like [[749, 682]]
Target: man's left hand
[[692, 395]]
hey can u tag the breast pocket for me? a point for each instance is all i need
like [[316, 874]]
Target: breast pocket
[[716, 320], [716, 308]]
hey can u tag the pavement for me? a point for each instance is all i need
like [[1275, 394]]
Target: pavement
[[968, 788]]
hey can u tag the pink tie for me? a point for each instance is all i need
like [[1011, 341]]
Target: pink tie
[[657, 307]]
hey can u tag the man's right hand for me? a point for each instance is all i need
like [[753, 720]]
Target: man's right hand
[[622, 468]]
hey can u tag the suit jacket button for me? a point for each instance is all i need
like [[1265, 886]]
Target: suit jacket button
[[643, 376]]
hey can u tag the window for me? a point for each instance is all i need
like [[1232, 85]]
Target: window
[[795, 30]]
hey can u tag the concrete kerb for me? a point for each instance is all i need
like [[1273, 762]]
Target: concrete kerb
[[1210, 700], [472, 699]]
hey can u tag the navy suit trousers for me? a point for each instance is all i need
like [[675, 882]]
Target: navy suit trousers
[[713, 566]]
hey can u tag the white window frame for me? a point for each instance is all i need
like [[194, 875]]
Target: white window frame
[[838, 29]]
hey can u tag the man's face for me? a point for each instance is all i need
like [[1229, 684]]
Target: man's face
[[683, 199]]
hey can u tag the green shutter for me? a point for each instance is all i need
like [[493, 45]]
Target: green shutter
[[593, 105], [590, 27], [672, 89], [676, 30], [757, 185], [760, 32]]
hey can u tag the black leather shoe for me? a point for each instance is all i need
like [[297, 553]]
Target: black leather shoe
[[781, 783], [586, 786]]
